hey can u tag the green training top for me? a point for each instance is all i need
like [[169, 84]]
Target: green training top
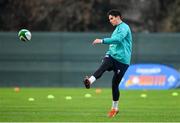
[[120, 43]]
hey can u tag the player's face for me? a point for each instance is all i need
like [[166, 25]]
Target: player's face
[[114, 20]]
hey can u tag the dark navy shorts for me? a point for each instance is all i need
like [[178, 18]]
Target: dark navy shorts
[[117, 66]]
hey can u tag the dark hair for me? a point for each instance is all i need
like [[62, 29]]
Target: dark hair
[[114, 12]]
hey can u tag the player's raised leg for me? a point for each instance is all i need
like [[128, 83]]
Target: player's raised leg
[[106, 65]]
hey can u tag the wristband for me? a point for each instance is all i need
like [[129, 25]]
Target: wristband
[[102, 41]]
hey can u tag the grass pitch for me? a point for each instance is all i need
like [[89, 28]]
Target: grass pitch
[[156, 106]]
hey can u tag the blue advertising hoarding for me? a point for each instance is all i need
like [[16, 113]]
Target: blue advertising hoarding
[[150, 76]]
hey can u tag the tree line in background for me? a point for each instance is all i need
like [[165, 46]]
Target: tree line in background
[[89, 15]]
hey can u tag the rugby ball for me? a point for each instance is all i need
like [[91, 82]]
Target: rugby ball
[[24, 35]]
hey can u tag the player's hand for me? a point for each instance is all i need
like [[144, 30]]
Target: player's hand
[[97, 41]]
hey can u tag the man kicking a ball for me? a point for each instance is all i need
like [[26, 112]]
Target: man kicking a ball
[[117, 58]]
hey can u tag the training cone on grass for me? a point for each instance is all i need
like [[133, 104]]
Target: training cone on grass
[[98, 91], [68, 98], [87, 95], [31, 99], [16, 89], [175, 94], [143, 95], [50, 96]]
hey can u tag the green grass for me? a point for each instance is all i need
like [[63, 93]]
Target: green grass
[[159, 105]]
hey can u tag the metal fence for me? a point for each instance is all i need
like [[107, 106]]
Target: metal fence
[[62, 59]]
